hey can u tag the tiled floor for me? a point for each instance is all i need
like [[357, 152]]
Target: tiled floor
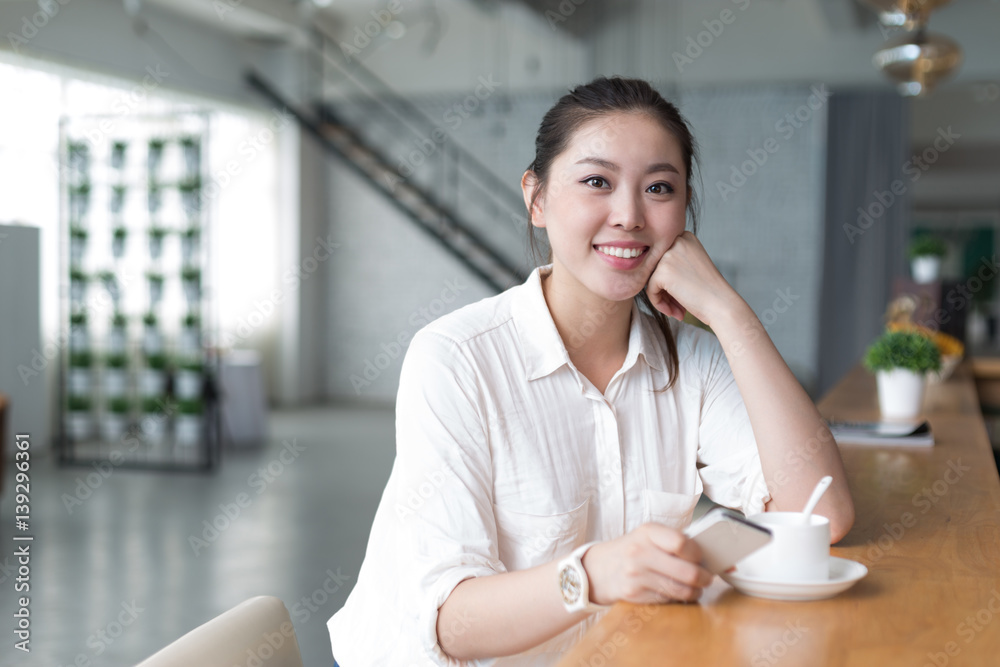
[[118, 578]]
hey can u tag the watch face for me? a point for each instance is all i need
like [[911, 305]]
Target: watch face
[[569, 583]]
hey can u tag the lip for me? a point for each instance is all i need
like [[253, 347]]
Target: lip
[[622, 263]]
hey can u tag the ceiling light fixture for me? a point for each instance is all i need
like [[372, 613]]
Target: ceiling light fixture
[[917, 61], [908, 14]]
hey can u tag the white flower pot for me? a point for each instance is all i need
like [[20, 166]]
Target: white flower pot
[[79, 339], [155, 246], [116, 340], [78, 425], [155, 292], [900, 393], [192, 291], [189, 249], [77, 291], [115, 382], [153, 426], [188, 430], [188, 384], [76, 248], [977, 329], [925, 269], [153, 382], [152, 340], [78, 381], [118, 246], [113, 426], [189, 340]]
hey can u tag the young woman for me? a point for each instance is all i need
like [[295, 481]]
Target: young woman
[[552, 441]]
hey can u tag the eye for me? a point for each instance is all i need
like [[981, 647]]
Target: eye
[[595, 181], [660, 189]]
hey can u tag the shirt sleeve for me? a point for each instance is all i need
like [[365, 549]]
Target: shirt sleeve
[[444, 489], [727, 451]]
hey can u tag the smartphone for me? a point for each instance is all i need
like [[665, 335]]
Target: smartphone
[[726, 538]]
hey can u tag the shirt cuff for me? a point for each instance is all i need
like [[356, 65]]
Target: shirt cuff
[[437, 594], [755, 493]]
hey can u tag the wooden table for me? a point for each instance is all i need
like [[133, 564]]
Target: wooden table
[[927, 527]]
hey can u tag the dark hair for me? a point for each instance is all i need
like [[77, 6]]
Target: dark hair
[[598, 98]]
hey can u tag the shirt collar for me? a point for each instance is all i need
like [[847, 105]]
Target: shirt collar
[[543, 348]]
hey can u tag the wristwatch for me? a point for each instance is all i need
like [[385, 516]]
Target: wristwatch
[[573, 582]]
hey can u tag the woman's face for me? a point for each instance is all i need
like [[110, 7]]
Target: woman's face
[[615, 200]]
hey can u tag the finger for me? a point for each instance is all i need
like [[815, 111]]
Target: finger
[[689, 573], [667, 589]]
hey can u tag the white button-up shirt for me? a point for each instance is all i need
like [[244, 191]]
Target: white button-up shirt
[[508, 457]]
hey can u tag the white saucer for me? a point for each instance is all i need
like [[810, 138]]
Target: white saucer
[[844, 573]]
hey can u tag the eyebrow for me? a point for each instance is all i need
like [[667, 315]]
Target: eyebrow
[[611, 166]]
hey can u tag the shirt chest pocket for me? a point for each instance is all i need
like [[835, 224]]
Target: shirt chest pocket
[[671, 509], [526, 540]]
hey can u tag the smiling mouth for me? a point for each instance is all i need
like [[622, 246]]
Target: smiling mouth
[[625, 253]]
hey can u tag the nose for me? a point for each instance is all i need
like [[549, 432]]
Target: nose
[[626, 211]]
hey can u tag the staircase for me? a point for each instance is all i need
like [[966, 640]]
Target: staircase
[[357, 118]]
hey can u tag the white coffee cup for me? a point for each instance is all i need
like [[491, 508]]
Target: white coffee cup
[[798, 551]]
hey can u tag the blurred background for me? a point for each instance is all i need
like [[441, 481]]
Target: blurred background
[[221, 221]]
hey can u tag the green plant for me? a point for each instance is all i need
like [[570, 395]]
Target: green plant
[[192, 320], [119, 320], [78, 232], [107, 276], [192, 184], [193, 365], [156, 361], [154, 277], [118, 147], [149, 319], [189, 407], [158, 232], [118, 406], [80, 359], [155, 404], [78, 276], [120, 233], [191, 274], [80, 188], [926, 245], [189, 142], [903, 349], [116, 361], [156, 145], [78, 403], [78, 319]]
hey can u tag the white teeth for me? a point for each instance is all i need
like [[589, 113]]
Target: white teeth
[[627, 253]]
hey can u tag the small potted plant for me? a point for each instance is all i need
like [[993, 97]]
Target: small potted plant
[[156, 235], [901, 361], [154, 375], [191, 280], [155, 414], [77, 285], [155, 279], [79, 156], [79, 376], [118, 236], [154, 198], [155, 155], [152, 337], [118, 149], [118, 199], [191, 148], [115, 375], [190, 242], [77, 244], [117, 334], [190, 339], [115, 418], [78, 418], [79, 337], [190, 189], [188, 428], [188, 385], [79, 200], [926, 253], [110, 282]]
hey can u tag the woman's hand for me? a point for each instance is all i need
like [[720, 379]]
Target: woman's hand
[[651, 564], [685, 278]]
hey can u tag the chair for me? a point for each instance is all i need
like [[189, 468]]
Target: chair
[[257, 632]]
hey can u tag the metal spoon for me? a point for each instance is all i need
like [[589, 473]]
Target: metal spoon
[[817, 493]]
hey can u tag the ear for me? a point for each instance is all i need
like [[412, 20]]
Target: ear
[[529, 185]]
